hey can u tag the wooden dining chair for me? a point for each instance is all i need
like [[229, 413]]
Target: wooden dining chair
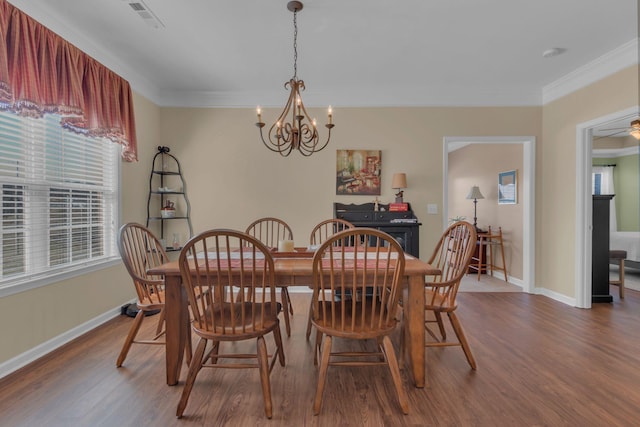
[[364, 315], [451, 256], [269, 231], [235, 272], [319, 234], [141, 250], [327, 228]]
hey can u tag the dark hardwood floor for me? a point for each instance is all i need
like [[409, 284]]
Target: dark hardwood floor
[[540, 363]]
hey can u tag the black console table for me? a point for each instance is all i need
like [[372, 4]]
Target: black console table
[[600, 249], [403, 226]]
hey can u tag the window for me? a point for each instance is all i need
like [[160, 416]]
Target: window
[[597, 184], [59, 199]]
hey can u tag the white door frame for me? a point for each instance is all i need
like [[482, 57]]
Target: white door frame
[[528, 196], [584, 201]]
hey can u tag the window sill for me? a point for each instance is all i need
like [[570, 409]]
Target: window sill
[[18, 286]]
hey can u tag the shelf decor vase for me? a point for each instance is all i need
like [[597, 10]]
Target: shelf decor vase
[[168, 210]]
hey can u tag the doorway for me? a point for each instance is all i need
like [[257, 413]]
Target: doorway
[[584, 206], [527, 198]]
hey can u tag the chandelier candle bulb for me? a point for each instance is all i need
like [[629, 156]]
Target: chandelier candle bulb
[[259, 114], [330, 115]]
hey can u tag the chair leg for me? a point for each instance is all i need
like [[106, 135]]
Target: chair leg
[[504, 263], [188, 349], [286, 308], [194, 368], [309, 321], [137, 322], [621, 277], [322, 375], [277, 336], [402, 338], [160, 325], [392, 361], [443, 332], [213, 354], [263, 365], [480, 264], [316, 347], [457, 327], [286, 291]]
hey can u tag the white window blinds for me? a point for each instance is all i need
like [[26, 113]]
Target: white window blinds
[[59, 198]]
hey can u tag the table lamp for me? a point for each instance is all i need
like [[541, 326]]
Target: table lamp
[[399, 182], [475, 194]]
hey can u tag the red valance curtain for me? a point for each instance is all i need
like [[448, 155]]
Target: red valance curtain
[[42, 73]]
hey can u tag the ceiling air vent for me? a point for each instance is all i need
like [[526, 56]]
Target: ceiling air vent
[[145, 13]]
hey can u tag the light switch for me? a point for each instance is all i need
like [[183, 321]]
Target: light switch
[[432, 209]]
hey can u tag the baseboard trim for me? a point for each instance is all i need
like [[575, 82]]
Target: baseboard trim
[[555, 296]]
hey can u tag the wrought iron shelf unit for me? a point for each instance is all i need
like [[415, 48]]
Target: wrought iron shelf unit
[[166, 180]]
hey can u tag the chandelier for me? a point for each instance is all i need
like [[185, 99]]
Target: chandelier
[[300, 132]]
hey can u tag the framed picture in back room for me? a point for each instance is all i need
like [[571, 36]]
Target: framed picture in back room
[[508, 187]]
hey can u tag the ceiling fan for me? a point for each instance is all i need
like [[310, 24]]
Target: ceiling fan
[[633, 130]]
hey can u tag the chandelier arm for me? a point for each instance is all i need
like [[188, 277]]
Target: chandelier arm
[[315, 147], [270, 144], [290, 102]]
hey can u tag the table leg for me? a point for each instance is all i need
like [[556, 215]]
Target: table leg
[[177, 324], [413, 304]]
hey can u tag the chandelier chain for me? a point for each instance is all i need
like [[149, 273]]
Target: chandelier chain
[[295, 45]]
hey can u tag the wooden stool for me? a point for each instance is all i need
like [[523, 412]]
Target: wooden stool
[[617, 257], [483, 261]]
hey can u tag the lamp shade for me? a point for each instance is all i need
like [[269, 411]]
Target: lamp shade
[[399, 180], [475, 193]]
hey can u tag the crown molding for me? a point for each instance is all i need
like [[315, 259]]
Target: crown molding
[[613, 61], [358, 97], [609, 153]]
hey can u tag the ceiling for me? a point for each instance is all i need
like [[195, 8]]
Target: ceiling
[[350, 53]]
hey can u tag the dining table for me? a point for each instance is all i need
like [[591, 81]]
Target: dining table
[[296, 269]]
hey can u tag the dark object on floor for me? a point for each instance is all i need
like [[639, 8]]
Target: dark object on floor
[[131, 310]]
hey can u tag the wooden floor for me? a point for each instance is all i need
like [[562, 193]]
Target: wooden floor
[[540, 363]]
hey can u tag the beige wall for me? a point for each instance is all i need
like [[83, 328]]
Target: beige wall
[[232, 179], [480, 164]]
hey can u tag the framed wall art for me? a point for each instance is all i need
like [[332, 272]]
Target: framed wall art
[[358, 172], [508, 188]]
